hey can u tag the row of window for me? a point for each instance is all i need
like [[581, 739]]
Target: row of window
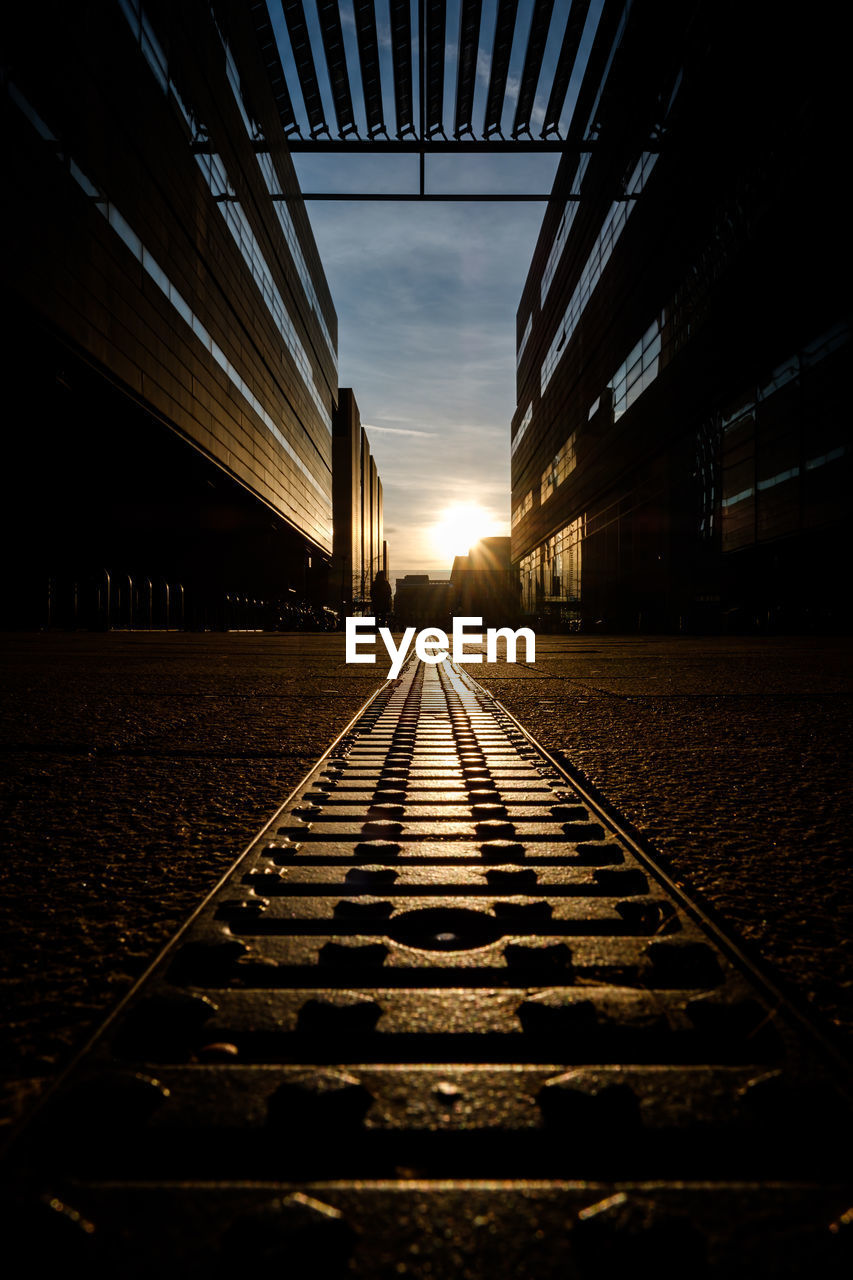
[[612, 228], [552, 571], [786, 371], [790, 473], [522, 509], [525, 338], [270, 177], [235, 219], [562, 465], [571, 209], [779, 441], [125, 232], [569, 214], [522, 427], [580, 172], [237, 223], [638, 370]]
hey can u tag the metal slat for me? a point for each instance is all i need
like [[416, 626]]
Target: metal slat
[[436, 23], [442, 146], [336, 63], [368, 56], [274, 69], [294, 16], [536, 42], [504, 31], [466, 74], [401, 56], [565, 66], [596, 66]]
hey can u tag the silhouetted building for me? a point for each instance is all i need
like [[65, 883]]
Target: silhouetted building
[[485, 583], [171, 372], [420, 602], [359, 549], [681, 445]]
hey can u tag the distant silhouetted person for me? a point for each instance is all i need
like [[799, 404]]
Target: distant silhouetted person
[[380, 598]]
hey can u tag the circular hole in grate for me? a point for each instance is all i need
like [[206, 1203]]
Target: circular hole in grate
[[445, 929]]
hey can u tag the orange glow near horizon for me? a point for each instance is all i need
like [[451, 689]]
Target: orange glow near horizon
[[459, 527]]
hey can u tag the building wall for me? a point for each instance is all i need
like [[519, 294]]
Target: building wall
[[345, 577], [366, 547], [485, 584], [375, 529], [147, 245], [677, 452], [357, 511], [418, 602]]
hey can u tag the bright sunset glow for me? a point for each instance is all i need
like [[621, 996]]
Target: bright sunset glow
[[459, 527]]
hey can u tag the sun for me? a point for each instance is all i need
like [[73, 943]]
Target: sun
[[459, 527]]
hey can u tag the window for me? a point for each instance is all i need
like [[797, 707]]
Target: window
[[614, 224], [525, 337], [523, 507], [562, 465], [522, 427], [638, 370]]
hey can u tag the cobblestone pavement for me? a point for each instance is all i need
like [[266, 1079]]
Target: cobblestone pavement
[[734, 758], [137, 766]]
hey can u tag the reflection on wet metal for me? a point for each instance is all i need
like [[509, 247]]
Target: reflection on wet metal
[[441, 1007]]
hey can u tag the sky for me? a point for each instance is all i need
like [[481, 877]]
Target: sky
[[426, 297]]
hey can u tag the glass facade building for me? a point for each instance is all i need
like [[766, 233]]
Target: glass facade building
[[679, 448], [359, 548], [174, 365]]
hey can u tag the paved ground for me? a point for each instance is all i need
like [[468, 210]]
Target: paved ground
[[734, 758], [136, 768]]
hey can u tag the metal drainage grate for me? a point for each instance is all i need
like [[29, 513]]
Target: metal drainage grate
[[442, 1020]]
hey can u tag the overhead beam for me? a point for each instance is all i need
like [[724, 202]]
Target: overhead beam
[[466, 68], [274, 69], [429, 197], [565, 66], [536, 42], [459, 196], [294, 16], [368, 57], [414, 146], [436, 23], [607, 35], [501, 52], [401, 60], [336, 64]]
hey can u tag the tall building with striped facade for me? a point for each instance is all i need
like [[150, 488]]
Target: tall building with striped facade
[[172, 374], [680, 449]]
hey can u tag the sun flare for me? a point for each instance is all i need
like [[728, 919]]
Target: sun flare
[[459, 527]]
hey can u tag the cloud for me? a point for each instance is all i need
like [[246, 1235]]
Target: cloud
[[396, 431], [484, 66], [426, 297]]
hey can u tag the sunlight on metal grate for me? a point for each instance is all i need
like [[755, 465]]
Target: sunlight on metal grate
[[442, 1018]]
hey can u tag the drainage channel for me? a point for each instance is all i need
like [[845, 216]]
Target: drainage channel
[[442, 1019]]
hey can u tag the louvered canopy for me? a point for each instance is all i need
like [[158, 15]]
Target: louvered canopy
[[422, 71], [438, 76]]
